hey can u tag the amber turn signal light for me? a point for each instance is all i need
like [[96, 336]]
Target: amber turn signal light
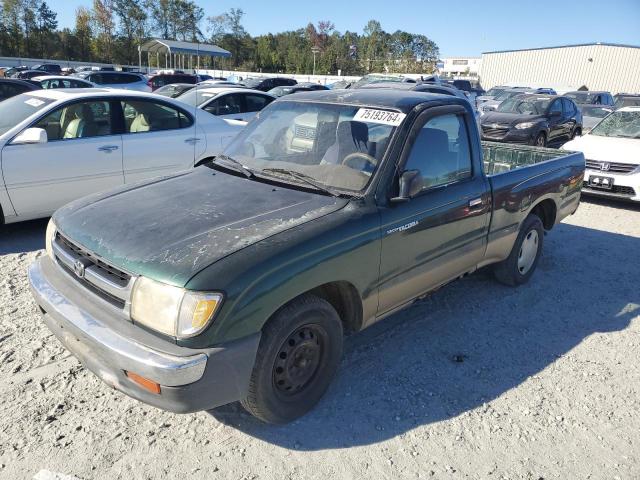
[[145, 383]]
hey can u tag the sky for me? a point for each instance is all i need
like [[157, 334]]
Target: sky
[[460, 27]]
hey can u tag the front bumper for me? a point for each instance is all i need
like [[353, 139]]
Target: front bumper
[[625, 186], [90, 328], [513, 135]]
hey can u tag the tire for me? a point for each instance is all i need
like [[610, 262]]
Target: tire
[[309, 331], [518, 267], [540, 140]]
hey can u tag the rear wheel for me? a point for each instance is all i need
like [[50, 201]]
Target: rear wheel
[[523, 259], [297, 358]]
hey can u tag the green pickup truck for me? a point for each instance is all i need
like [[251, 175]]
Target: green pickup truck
[[237, 280]]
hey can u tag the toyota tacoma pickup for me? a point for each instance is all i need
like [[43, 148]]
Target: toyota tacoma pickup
[[237, 280]]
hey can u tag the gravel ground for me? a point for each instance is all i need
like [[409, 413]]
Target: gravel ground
[[477, 381]]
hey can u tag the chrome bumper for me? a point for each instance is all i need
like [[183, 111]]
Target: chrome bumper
[[102, 349]]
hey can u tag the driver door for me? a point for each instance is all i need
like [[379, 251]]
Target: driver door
[[440, 232]]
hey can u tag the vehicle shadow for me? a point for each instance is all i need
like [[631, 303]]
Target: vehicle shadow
[[466, 345], [23, 236], [611, 202]]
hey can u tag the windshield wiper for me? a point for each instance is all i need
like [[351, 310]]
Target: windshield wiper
[[304, 178], [237, 166]]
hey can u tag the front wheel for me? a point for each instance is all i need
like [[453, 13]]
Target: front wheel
[[523, 259], [299, 353], [540, 140]]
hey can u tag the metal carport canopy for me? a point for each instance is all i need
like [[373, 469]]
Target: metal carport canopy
[[160, 46]]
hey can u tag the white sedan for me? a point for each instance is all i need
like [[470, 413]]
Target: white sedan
[[612, 153], [227, 102], [61, 144]]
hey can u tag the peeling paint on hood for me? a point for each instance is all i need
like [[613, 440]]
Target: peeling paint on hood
[[171, 229]]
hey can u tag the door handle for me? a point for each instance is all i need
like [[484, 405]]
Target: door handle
[[108, 148], [476, 202], [192, 140]]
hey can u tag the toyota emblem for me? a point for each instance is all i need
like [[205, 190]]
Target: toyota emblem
[[78, 268], [604, 166]]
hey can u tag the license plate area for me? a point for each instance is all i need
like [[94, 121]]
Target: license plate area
[[603, 183]]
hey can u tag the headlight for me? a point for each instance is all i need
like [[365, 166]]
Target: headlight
[[172, 310], [49, 236], [525, 125]]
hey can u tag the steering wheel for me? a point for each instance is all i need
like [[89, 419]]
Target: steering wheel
[[364, 156]]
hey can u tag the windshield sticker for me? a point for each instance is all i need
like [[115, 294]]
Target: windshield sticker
[[383, 117], [34, 102]]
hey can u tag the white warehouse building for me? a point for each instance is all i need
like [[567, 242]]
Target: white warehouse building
[[596, 66]]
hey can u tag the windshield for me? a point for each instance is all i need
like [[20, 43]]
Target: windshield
[[596, 111], [525, 106], [196, 97], [627, 102], [252, 82], [618, 124], [17, 109], [507, 94], [336, 146], [581, 97], [494, 91], [368, 79]]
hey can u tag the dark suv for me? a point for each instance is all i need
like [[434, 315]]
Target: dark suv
[[539, 120], [266, 84], [162, 79], [50, 68]]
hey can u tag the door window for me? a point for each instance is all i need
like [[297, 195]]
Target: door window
[[441, 151], [142, 116], [78, 120], [226, 105], [556, 107], [255, 102], [569, 108], [9, 90]]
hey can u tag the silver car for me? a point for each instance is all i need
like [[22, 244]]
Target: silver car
[[125, 80]]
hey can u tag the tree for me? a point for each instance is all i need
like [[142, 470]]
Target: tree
[[11, 24], [46, 20], [29, 26], [132, 19], [103, 24], [83, 33]]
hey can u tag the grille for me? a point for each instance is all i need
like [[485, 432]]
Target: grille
[[613, 167], [494, 132], [305, 132], [617, 189], [104, 280]]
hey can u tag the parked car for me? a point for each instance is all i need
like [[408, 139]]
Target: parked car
[[229, 103], [301, 87], [419, 87], [68, 71], [266, 84], [381, 77], [11, 72], [490, 94], [125, 80], [612, 152], [491, 105], [592, 115], [541, 120], [591, 98], [10, 87], [220, 83], [51, 68], [174, 90], [239, 279], [626, 100], [61, 81], [61, 144], [157, 81], [27, 74]]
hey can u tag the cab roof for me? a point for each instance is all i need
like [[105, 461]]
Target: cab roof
[[402, 100]]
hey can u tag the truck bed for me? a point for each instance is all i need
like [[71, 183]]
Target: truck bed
[[503, 157]]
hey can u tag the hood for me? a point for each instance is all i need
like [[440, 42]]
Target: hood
[[606, 149], [171, 228], [509, 119]]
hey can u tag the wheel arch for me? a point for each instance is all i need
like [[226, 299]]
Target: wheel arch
[[547, 211]]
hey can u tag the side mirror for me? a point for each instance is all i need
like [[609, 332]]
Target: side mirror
[[410, 184], [31, 135]]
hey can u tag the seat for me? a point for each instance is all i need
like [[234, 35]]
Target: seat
[[140, 124], [83, 125], [351, 137]]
